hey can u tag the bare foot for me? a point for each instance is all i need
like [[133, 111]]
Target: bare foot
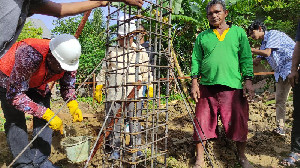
[[245, 163], [199, 163]]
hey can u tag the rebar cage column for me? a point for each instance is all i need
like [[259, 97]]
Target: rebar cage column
[[140, 131]]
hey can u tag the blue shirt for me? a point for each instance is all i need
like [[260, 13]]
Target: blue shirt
[[282, 50]]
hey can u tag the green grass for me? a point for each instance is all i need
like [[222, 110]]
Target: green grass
[[270, 102], [171, 161], [290, 98], [2, 121], [85, 99], [89, 100], [171, 98]]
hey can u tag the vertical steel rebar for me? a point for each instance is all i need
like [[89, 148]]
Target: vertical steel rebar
[[154, 115]]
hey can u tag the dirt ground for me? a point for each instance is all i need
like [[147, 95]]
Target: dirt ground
[[264, 149]]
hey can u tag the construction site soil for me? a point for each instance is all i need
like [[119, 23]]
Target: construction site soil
[[264, 148]]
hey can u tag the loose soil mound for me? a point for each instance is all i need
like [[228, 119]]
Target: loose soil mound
[[264, 149]]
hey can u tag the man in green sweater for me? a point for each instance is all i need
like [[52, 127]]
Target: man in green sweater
[[222, 58]]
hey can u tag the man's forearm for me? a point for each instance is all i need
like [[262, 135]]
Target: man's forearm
[[67, 9], [264, 53], [23, 103]]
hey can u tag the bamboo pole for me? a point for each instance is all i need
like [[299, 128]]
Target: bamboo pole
[[94, 80]]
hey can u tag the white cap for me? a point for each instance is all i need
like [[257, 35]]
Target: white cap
[[67, 50], [125, 28]]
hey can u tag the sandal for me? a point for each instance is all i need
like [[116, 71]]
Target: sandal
[[279, 131], [291, 160]]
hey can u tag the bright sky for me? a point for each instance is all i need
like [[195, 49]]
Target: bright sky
[[48, 20]]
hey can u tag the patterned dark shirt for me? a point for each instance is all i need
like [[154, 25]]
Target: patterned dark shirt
[[27, 62]]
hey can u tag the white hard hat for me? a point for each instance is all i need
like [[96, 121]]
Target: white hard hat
[[67, 50], [125, 28]]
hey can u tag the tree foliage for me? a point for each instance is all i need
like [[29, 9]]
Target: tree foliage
[[92, 40], [29, 31], [281, 15], [190, 19]]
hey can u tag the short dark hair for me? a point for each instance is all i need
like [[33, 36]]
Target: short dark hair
[[255, 26], [214, 2]]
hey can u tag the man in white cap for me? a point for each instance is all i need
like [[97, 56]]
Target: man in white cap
[[25, 71], [119, 69]]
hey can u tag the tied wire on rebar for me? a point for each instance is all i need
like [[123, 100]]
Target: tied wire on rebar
[[153, 141], [107, 115]]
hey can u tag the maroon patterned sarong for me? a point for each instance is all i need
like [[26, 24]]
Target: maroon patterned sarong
[[232, 107]]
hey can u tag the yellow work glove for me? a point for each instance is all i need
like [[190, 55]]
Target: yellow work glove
[[98, 93], [150, 91], [56, 123], [75, 111]]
